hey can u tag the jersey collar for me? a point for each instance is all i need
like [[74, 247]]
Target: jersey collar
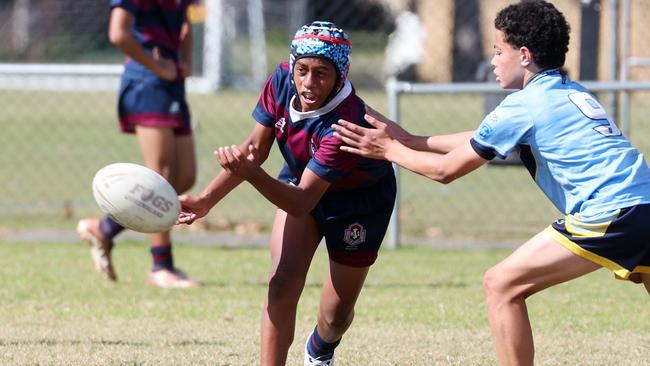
[[542, 74]]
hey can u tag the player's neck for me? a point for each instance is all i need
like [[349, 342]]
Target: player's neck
[[530, 72]]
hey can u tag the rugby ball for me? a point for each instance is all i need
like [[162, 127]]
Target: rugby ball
[[136, 197]]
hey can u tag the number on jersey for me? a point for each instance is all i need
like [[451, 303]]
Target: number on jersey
[[593, 110]]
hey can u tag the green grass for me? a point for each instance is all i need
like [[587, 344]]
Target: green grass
[[420, 306]]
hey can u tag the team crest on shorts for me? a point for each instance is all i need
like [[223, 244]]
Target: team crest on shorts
[[175, 107], [355, 234]]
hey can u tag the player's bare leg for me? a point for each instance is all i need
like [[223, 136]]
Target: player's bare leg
[[158, 150], [293, 243], [336, 312], [538, 264], [173, 157]]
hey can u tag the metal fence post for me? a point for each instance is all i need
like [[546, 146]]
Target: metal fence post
[[393, 113]]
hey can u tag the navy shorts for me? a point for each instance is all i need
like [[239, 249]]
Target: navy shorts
[[620, 242], [153, 103], [354, 222]]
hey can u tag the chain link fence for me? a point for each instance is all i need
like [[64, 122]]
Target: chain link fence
[[59, 128]]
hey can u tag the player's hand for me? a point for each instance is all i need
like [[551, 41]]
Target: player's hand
[[192, 208], [235, 162], [165, 67], [367, 142], [392, 129], [253, 155]]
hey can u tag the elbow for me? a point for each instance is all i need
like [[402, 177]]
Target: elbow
[[442, 176], [446, 179]]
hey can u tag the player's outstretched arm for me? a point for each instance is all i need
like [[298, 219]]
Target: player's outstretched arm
[[295, 200], [443, 144], [397, 132], [393, 129], [378, 144], [443, 168], [439, 144], [194, 207]]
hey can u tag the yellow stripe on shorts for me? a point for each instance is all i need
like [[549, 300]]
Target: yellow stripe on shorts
[[580, 229], [579, 251]]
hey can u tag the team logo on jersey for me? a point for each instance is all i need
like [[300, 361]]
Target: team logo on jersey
[[174, 107], [484, 131], [312, 146], [355, 234], [280, 124]]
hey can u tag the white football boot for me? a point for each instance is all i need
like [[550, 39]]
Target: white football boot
[[311, 361]]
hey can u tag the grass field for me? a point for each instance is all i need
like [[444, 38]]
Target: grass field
[[420, 306]]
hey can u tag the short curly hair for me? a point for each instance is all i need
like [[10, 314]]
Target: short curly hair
[[540, 27]]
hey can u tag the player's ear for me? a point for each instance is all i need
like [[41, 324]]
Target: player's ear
[[526, 56]]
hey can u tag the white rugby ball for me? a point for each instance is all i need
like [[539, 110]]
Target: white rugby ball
[[137, 197]]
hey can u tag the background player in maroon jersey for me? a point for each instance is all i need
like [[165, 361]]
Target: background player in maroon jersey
[[155, 36]]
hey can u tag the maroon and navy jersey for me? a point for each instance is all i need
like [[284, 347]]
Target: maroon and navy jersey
[[157, 23], [306, 139]]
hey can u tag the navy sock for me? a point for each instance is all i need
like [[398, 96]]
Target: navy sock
[[317, 347], [109, 228], [162, 257]]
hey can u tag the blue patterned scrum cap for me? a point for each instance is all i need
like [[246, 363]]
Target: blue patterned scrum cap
[[326, 40]]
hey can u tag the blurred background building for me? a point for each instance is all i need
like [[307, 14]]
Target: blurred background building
[[455, 35]]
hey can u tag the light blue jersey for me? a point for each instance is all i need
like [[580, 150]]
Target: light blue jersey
[[570, 146]]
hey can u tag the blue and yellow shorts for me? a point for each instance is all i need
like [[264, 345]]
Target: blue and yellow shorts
[[619, 242]]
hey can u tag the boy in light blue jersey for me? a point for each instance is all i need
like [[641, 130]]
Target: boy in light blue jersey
[[572, 149]]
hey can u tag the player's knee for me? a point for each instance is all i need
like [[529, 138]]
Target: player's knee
[[499, 288], [284, 288], [494, 285]]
